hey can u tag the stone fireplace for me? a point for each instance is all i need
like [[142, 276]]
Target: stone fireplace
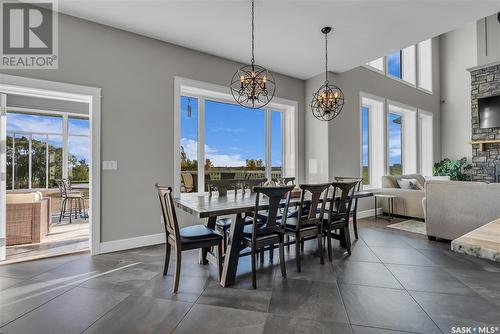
[[486, 157]]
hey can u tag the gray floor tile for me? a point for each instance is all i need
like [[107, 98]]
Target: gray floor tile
[[71, 312], [385, 308], [26, 296], [138, 314], [76, 272], [6, 282], [449, 259], [308, 300], [430, 279], [278, 324], [486, 284], [254, 300], [365, 273], [458, 311], [385, 238], [124, 280], [209, 319], [361, 253], [311, 270], [33, 268], [401, 256], [373, 330]]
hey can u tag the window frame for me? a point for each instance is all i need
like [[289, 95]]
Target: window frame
[[64, 137], [208, 91], [416, 66], [422, 114]]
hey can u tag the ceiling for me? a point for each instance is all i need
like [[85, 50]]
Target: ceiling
[[288, 38]]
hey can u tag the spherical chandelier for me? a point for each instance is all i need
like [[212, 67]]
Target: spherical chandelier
[[328, 101], [253, 86]]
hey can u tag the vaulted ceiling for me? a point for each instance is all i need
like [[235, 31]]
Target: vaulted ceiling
[[288, 38]]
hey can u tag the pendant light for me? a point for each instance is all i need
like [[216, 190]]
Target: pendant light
[[253, 86], [328, 101]]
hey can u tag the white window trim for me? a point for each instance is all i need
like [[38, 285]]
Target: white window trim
[[409, 135], [376, 137], [204, 90], [424, 114], [416, 85]]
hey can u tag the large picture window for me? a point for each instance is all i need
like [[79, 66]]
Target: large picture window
[[233, 142]]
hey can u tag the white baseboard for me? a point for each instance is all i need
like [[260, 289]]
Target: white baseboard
[[124, 244], [368, 213]]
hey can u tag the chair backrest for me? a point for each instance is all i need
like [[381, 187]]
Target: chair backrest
[[274, 195], [251, 183], [357, 179], [343, 193], [64, 187], [188, 181], [168, 211], [308, 212], [288, 180]]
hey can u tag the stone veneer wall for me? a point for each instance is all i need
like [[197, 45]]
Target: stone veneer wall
[[484, 82]]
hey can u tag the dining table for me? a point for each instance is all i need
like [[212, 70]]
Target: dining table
[[235, 203]]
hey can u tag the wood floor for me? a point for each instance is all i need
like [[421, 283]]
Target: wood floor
[[394, 282]]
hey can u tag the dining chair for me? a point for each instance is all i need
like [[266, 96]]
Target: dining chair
[[308, 223], [187, 238], [338, 214], [354, 209], [187, 182], [257, 236], [287, 180], [75, 200]]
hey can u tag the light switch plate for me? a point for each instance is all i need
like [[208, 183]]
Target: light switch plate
[[110, 165]]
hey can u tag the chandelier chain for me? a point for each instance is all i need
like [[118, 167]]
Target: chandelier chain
[[326, 57], [253, 32]]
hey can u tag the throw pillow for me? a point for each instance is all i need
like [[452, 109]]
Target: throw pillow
[[404, 184], [414, 184]]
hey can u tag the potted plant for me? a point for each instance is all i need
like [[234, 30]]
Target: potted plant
[[457, 170]]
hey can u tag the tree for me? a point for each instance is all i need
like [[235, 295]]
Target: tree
[[254, 164], [187, 164]]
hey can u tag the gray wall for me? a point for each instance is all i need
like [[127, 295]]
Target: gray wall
[[488, 40], [458, 52], [136, 75]]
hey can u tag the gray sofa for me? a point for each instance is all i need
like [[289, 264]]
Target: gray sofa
[[408, 202], [455, 208]]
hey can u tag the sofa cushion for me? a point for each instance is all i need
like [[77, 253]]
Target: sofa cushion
[[31, 197]]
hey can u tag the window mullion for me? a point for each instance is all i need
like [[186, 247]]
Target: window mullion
[[268, 144], [201, 144], [47, 161], [29, 160], [65, 147]]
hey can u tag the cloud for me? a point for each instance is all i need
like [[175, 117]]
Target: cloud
[[220, 160], [79, 146], [34, 123], [228, 130]]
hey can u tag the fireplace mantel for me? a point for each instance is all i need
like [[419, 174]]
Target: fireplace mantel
[[483, 142]]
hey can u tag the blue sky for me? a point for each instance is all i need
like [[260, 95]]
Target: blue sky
[[394, 64], [232, 133], [78, 146], [394, 138]]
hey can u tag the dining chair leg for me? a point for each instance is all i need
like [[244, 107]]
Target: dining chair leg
[[347, 239], [302, 242], [355, 225], [254, 269], [177, 270], [329, 243], [168, 247], [271, 253], [219, 259], [261, 255], [282, 258], [320, 246], [288, 243], [84, 211], [297, 251], [76, 208], [70, 209]]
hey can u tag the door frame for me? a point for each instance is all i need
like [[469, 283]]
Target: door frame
[[11, 84]]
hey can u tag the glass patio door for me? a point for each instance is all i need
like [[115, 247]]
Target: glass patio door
[[3, 174]]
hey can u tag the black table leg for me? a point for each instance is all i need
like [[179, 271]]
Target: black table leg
[[233, 252], [204, 251]]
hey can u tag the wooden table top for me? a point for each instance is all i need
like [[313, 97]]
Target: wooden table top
[[204, 205]]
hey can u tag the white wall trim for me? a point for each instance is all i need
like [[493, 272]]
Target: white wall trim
[[130, 243], [11, 84]]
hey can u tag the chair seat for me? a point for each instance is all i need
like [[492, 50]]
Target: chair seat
[[198, 233], [247, 234], [291, 223]]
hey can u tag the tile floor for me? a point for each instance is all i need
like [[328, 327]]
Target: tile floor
[[394, 282]]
